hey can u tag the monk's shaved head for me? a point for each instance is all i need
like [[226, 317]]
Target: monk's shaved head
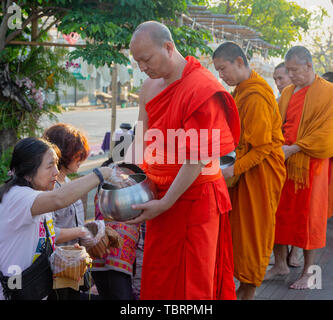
[[157, 31], [230, 51], [301, 53], [280, 65], [298, 61]]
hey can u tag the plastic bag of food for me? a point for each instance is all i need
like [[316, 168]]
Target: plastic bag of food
[[69, 262], [119, 178], [100, 239], [115, 239], [96, 231]]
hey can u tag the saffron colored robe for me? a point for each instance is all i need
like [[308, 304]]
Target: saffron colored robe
[[188, 250], [301, 218], [260, 165], [330, 190]]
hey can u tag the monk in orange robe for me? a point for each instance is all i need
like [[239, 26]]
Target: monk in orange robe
[[188, 250], [259, 165], [306, 108], [328, 76], [282, 80]]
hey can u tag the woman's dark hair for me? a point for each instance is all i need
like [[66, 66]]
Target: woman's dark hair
[[72, 143], [26, 159]]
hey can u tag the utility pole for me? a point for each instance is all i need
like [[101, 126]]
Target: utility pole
[[113, 106]]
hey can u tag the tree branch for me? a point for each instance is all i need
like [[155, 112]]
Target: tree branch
[[249, 18], [50, 26], [4, 23], [14, 34], [228, 7], [45, 12]]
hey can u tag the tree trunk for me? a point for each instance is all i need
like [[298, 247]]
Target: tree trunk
[[34, 29], [114, 107], [8, 138]]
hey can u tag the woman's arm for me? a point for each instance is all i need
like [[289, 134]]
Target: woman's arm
[[67, 194], [68, 234]]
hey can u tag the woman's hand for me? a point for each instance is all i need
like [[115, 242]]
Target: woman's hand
[[151, 209], [228, 172], [106, 172]]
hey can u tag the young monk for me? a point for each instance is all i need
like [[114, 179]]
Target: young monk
[[281, 77], [282, 80], [306, 108], [188, 251], [259, 163]]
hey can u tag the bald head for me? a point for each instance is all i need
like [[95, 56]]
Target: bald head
[[300, 53], [153, 49], [298, 61], [157, 32], [280, 76], [230, 51], [280, 66]]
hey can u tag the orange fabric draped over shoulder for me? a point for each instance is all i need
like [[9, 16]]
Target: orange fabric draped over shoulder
[[188, 250], [301, 217], [260, 165], [315, 130]]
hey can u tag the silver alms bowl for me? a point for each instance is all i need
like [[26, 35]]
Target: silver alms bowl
[[117, 204], [228, 160]]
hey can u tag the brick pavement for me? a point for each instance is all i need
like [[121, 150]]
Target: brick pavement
[[279, 289]]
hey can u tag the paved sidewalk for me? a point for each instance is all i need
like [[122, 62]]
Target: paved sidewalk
[[279, 289]]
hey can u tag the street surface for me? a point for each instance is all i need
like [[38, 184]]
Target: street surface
[[94, 122]]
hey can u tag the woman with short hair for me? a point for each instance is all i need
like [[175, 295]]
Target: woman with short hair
[[27, 200]]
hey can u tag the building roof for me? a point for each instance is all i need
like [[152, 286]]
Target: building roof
[[223, 26]]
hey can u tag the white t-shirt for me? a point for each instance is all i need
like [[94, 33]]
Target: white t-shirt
[[21, 234]]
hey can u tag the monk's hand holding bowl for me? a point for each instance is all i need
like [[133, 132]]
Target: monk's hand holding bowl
[[290, 150], [151, 209], [228, 172]]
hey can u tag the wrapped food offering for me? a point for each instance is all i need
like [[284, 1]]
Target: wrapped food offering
[[100, 238], [119, 178], [69, 262]]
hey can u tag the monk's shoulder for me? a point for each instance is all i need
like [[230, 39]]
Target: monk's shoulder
[[151, 88], [201, 78], [255, 98]]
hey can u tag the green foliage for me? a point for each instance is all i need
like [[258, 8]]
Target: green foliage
[[109, 25], [280, 22], [45, 68], [5, 159], [189, 41]]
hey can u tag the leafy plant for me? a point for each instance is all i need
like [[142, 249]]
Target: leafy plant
[[5, 159], [39, 72]]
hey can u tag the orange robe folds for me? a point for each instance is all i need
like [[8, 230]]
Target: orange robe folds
[[307, 121], [188, 251], [260, 165], [330, 190]]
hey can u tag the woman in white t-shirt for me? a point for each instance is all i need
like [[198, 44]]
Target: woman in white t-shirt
[[74, 148], [27, 199]]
